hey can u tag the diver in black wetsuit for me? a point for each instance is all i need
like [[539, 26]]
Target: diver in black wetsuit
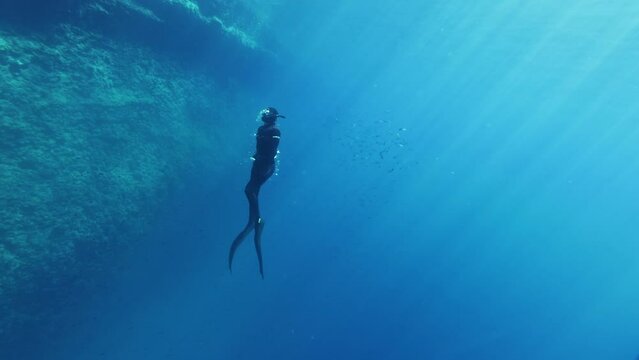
[[268, 138]]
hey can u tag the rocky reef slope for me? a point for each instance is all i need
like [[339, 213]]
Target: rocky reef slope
[[95, 128]]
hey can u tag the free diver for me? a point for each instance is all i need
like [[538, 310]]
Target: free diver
[[267, 141]]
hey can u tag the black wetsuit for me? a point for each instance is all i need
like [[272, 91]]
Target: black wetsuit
[[268, 138]]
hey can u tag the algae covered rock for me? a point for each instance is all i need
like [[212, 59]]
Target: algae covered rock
[[92, 135]]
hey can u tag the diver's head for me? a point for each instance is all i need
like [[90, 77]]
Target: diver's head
[[270, 115]]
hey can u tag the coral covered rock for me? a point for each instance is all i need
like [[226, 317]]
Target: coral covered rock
[[92, 134]]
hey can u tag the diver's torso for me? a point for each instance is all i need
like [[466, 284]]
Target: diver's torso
[[268, 138]]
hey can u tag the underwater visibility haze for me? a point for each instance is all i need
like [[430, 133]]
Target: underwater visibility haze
[[456, 180]]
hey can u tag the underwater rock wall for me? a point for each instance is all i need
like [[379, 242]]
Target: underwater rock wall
[[213, 35], [94, 130], [245, 20]]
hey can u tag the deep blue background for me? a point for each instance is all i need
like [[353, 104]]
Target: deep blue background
[[457, 180]]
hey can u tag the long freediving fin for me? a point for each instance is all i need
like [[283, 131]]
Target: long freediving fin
[[258, 243], [238, 240]]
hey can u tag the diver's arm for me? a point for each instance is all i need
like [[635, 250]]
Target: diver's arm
[[275, 134], [269, 140], [275, 138]]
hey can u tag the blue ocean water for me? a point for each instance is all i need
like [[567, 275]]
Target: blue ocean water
[[457, 180]]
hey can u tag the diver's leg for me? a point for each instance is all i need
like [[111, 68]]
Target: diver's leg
[[259, 175], [251, 191], [258, 243], [260, 172], [259, 226], [267, 174]]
